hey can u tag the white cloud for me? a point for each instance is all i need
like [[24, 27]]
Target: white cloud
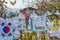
[[19, 4]]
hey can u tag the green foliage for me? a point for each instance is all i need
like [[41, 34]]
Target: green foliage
[[51, 7], [58, 7], [41, 8], [52, 0]]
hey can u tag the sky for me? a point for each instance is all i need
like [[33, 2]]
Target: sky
[[19, 4]]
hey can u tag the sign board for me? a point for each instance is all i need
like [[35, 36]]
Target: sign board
[[40, 23]]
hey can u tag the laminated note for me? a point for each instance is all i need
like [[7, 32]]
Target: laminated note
[[40, 23]]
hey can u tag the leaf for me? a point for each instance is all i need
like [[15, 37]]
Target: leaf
[[58, 7], [41, 8], [51, 7], [13, 3], [52, 0]]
